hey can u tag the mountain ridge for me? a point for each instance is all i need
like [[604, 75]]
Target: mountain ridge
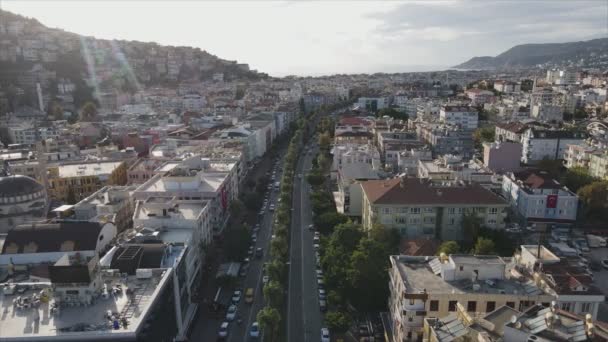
[[589, 53]]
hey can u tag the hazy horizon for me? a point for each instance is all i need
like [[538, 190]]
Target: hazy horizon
[[314, 38]]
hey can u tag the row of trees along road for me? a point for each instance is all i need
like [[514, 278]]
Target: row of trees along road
[[355, 263], [270, 316]]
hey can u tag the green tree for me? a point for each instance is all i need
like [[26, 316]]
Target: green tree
[[552, 166], [276, 270], [576, 178], [236, 241], [315, 178], [326, 222], [483, 134], [278, 248], [368, 275], [594, 197], [471, 225], [448, 247], [324, 141], [252, 201], [393, 113], [88, 112], [269, 319], [336, 257], [484, 246], [273, 293], [338, 322]]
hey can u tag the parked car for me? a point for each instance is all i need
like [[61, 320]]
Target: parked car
[[325, 335], [323, 305], [223, 332], [249, 295], [311, 227], [236, 296], [605, 263], [259, 252], [265, 279], [254, 332], [231, 313], [271, 207], [321, 294]]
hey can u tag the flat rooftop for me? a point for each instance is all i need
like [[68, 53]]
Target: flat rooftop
[[208, 183], [79, 323], [418, 275], [183, 210], [87, 169]]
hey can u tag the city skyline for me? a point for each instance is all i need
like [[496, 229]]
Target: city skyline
[[308, 38]]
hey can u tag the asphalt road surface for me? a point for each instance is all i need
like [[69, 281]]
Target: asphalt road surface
[[304, 318]]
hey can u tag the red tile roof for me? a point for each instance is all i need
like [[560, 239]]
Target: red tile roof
[[419, 191]]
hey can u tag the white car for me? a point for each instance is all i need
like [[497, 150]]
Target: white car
[[265, 279], [271, 207], [231, 313], [223, 332], [325, 335], [255, 330], [321, 294], [316, 246], [236, 296]]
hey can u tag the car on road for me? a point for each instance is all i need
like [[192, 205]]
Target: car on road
[[320, 283], [262, 212], [243, 270], [223, 332], [271, 207], [325, 335], [254, 238], [254, 332], [323, 305], [311, 227], [259, 252], [256, 228], [236, 296], [231, 313], [316, 246], [605, 263], [265, 279], [321, 294], [319, 273], [317, 234], [249, 295], [250, 251], [316, 239]]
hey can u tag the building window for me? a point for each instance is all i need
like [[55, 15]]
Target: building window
[[566, 306], [490, 306], [410, 319], [411, 301], [434, 306], [400, 220], [461, 268], [451, 211], [493, 210], [452, 305], [415, 210], [386, 210], [409, 334], [472, 306], [586, 307]]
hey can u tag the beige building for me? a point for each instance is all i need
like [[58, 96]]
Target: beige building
[[423, 208], [598, 165], [426, 286]]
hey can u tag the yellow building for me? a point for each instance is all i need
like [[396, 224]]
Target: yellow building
[[73, 182]]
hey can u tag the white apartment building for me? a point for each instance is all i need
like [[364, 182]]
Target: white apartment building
[[373, 103], [408, 159], [462, 116], [547, 112], [429, 286], [197, 179], [538, 143], [353, 156], [348, 198], [193, 102], [536, 197]]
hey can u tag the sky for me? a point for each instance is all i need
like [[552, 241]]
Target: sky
[[328, 37]]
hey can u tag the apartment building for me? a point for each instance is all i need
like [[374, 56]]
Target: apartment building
[[353, 156], [598, 165], [453, 168], [540, 143], [480, 96], [108, 204], [464, 117], [348, 198], [423, 208], [502, 156], [75, 181], [507, 86], [428, 286], [536, 197], [579, 156], [509, 131], [446, 139], [547, 112], [408, 159], [197, 178]]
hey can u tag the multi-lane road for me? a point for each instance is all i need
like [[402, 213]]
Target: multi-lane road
[[304, 318]]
